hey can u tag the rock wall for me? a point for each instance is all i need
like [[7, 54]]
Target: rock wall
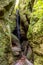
[[31, 30], [35, 32], [7, 24]]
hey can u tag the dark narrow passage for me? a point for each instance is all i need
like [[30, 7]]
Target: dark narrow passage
[[17, 29]]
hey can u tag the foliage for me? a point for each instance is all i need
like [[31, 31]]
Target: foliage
[[31, 15], [35, 31], [4, 43], [36, 28], [37, 11], [7, 25]]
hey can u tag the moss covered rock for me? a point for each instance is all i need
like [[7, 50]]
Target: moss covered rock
[[7, 24], [35, 32], [5, 44]]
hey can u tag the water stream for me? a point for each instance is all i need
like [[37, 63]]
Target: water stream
[[18, 24]]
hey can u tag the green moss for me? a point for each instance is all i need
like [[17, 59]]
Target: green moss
[[38, 60], [5, 43], [24, 10], [35, 32]]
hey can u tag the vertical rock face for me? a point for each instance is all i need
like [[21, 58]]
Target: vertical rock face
[[35, 32], [6, 26], [6, 12], [24, 9], [5, 44]]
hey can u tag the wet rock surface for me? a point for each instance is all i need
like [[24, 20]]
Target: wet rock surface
[[23, 61]]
